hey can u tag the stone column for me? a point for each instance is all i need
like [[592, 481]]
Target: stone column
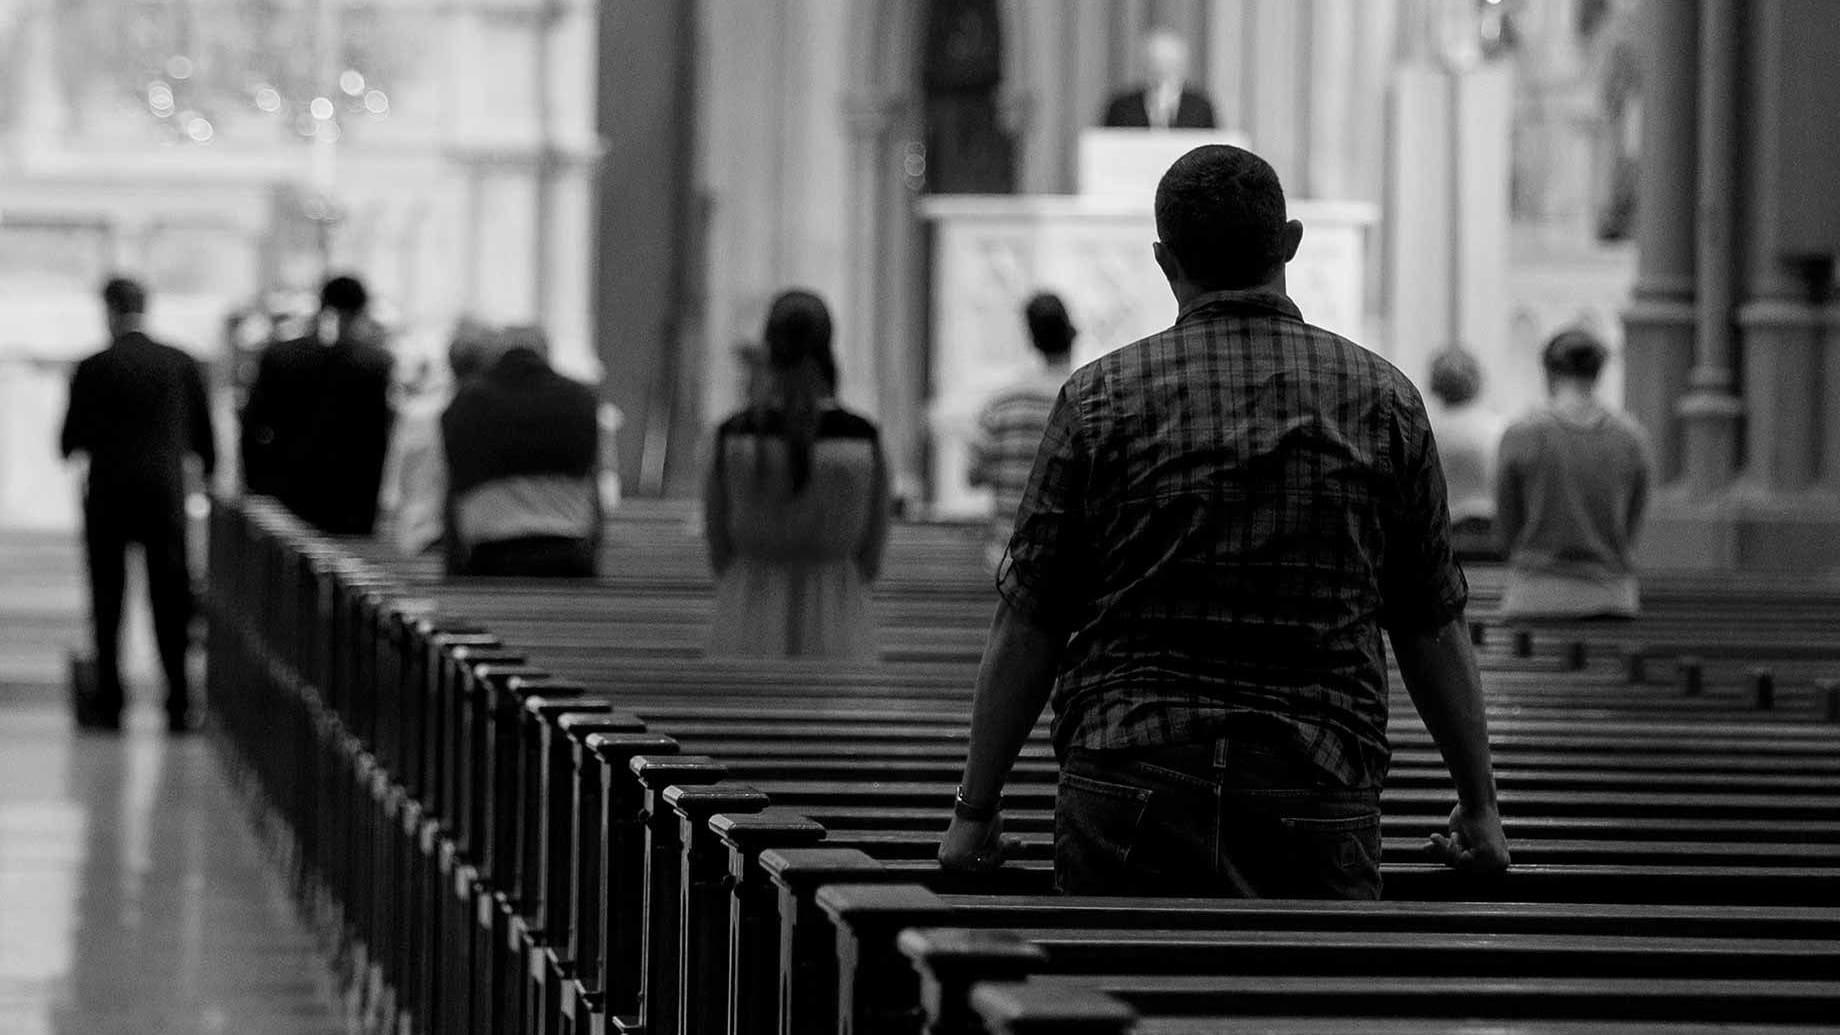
[[1332, 128], [1780, 323], [1658, 328], [1224, 73], [1830, 401], [1711, 411]]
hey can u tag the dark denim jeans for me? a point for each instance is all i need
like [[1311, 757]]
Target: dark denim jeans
[[1223, 819]]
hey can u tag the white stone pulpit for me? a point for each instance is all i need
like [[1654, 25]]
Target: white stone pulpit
[[990, 253]]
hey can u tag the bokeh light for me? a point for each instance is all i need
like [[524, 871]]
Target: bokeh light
[[352, 82], [179, 67], [200, 130], [268, 99], [160, 98], [321, 108], [377, 103]]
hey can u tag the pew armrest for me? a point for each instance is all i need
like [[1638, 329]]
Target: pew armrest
[[1027, 1009]]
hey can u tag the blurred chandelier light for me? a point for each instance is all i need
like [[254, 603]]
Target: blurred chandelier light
[[206, 70]]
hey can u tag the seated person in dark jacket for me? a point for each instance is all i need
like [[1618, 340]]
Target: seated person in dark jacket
[[523, 455], [317, 423]]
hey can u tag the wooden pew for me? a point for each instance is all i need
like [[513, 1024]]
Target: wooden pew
[[346, 684]]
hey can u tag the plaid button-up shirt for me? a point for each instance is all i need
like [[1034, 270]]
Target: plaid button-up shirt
[[1223, 518]]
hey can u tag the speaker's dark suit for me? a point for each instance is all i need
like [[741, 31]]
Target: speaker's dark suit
[[315, 430], [136, 409], [1132, 111]]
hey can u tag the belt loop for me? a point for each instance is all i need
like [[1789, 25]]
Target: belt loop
[[1221, 752]]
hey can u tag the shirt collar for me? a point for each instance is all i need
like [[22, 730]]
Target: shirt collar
[[1269, 302]]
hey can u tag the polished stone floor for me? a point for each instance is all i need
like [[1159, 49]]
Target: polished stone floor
[[134, 899]]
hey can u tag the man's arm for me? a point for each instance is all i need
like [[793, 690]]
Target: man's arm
[[1510, 496], [1040, 589], [78, 434], [1440, 674], [203, 437], [1638, 490], [1012, 688]]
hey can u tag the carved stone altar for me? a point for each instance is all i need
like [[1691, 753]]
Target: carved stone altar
[[991, 253]]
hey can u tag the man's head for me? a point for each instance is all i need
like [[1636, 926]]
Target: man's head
[[527, 337], [1050, 329], [124, 303], [471, 349], [1221, 223], [344, 297], [1456, 377], [1574, 358], [1165, 57]]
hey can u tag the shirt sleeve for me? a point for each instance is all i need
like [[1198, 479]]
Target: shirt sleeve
[[78, 433], [1042, 574], [1511, 488], [201, 432], [1422, 586]]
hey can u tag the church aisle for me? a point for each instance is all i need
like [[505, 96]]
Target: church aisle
[[133, 895]]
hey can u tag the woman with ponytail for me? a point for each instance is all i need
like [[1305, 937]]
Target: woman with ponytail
[[795, 503]]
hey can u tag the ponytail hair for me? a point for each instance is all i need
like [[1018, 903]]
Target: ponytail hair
[[801, 374]]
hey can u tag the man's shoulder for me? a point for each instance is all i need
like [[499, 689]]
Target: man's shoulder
[[1324, 349], [371, 359], [172, 355], [841, 423]]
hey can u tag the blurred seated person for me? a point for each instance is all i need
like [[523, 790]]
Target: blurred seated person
[[1573, 488], [1469, 438], [522, 448], [418, 484], [1013, 420], [795, 504], [1166, 100]]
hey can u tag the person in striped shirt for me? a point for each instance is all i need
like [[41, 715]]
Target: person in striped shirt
[[1011, 424]]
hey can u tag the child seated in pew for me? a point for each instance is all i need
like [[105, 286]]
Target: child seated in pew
[[1572, 491], [795, 504]]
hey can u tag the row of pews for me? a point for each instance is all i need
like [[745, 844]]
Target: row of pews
[[534, 807]]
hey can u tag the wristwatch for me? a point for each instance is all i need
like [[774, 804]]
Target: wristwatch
[[964, 809]]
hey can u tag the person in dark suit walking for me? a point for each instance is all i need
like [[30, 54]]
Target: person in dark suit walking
[[317, 423], [1166, 101], [137, 408]]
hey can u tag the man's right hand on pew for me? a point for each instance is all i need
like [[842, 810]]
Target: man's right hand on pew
[[1475, 843], [976, 846]]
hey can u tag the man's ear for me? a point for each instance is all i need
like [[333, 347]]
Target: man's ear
[[1293, 239], [1166, 261]]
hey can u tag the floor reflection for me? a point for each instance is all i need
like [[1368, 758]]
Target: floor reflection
[[133, 898]]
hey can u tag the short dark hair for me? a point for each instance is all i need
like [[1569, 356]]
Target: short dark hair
[[344, 294], [124, 296], [1575, 352], [1220, 211], [1456, 377], [1050, 328]]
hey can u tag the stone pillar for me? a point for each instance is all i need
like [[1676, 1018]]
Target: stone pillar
[[1277, 111], [1224, 73], [1780, 322], [1711, 411], [1332, 127], [1830, 401], [1658, 327]]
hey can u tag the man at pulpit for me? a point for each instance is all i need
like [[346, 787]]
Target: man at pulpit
[[1166, 100]]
